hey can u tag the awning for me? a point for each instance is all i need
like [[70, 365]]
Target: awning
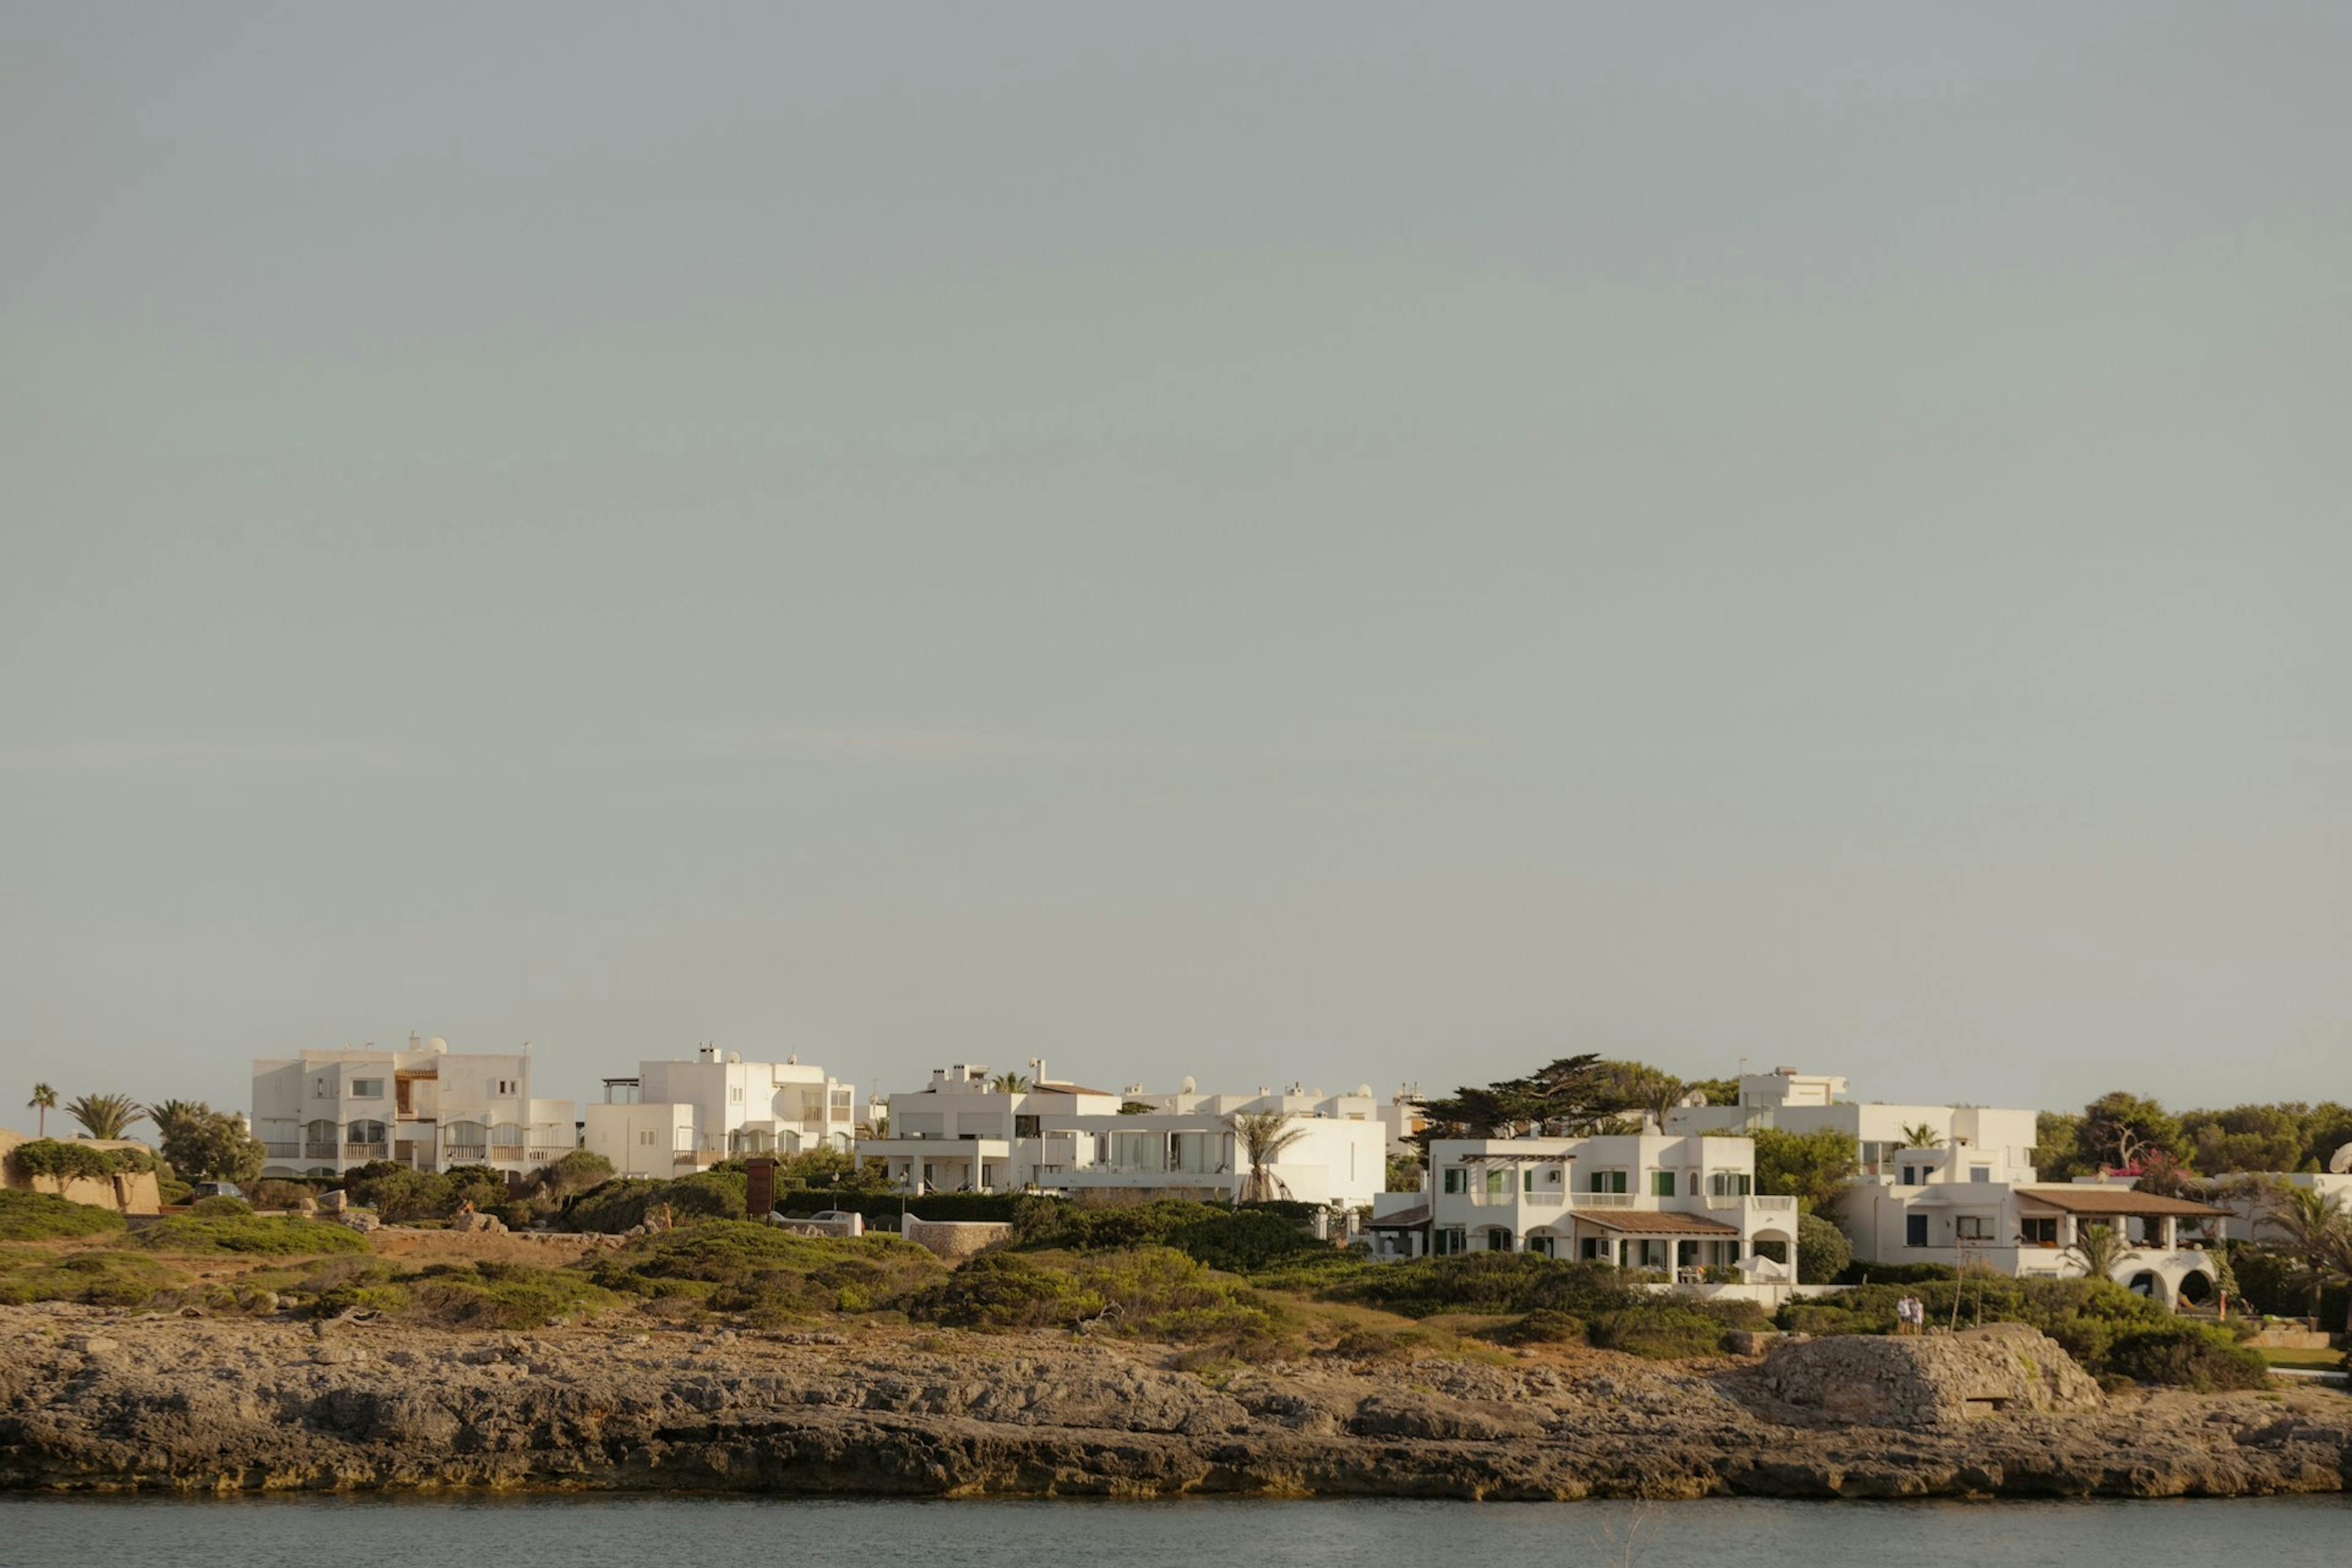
[[1654, 1222], [2121, 1202]]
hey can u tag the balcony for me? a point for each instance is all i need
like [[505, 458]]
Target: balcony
[[550, 1155], [279, 1150], [320, 1152], [1763, 1202], [466, 1154], [1601, 1200], [367, 1151]]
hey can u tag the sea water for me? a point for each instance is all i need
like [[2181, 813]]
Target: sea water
[[574, 1531]]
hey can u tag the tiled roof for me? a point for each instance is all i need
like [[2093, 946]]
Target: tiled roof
[[1656, 1222], [1404, 1219], [2084, 1198]]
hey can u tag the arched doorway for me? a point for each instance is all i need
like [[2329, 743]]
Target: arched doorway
[[1498, 1239], [2196, 1288], [2145, 1283]]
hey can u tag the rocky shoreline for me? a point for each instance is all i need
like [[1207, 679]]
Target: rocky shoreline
[[91, 1400]]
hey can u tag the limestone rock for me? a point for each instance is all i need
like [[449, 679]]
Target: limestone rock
[[1929, 1380]]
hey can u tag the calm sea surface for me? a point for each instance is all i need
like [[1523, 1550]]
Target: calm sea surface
[[350, 1532]]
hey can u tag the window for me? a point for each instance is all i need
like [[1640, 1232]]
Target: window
[[1729, 1184], [318, 1090], [1528, 1180], [1499, 1240], [1449, 1241], [1972, 1227], [1915, 1230], [1025, 1127], [1606, 1182], [1662, 1183], [1450, 1179], [1980, 1172], [1541, 1245], [2039, 1232], [646, 1140], [367, 1089], [735, 1094], [1498, 1183], [1910, 1175]]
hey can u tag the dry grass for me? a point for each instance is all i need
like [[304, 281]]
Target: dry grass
[[428, 1246]]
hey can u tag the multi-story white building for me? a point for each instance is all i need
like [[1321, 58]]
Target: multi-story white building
[[324, 1112], [1811, 1102], [965, 1132], [1957, 1184], [676, 1117], [1676, 1203]]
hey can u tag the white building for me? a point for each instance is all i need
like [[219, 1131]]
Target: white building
[[326, 1112], [1955, 1183], [965, 1132], [1679, 1204], [674, 1117]]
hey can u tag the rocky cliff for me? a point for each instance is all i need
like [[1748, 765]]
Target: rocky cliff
[[89, 1399]]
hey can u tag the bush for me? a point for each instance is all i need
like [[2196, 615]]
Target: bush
[[623, 1204], [1240, 1240], [100, 1277], [1823, 1250], [264, 1234], [2187, 1355], [219, 1203], [490, 1295], [1153, 1293], [278, 1195], [886, 1206], [1862, 1272], [575, 1173], [63, 1160], [741, 1266], [40, 1217]]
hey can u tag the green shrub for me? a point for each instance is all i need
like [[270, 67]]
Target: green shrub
[[40, 1216], [740, 1266], [64, 1161], [218, 1204], [1863, 1272], [103, 1276], [264, 1235], [999, 1290], [1543, 1327], [1823, 1250], [490, 1295], [274, 1193], [623, 1204], [1490, 1282], [2187, 1355]]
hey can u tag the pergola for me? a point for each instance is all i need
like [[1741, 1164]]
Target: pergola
[[1618, 1226], [2085, 1203]]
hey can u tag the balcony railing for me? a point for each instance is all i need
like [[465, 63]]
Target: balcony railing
[[545, 1156], [319, 1152], [1601, 1200], [366, 1151], [282, 1151], [1767, 1202], [460, 1153]]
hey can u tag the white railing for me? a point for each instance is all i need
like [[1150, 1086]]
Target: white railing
[[279, 1148], [1601, 1200], [366, 1151], [1764, 1203]]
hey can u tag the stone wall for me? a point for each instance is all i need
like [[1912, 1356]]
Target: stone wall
[[955, 1240]]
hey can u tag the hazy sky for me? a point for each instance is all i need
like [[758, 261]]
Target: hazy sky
[[1348, 544]]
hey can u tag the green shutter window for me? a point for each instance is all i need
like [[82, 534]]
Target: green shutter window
[[1662, 1183]]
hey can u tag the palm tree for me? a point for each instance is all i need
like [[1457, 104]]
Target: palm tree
[[105, 1116], [2335, 1267], [2098, 1249], [2311, 1227], [1262, 1136], [1010, 1083], [1919, 1135], [43, 1101]]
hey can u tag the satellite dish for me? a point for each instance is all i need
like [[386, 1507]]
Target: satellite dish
[[2340, 1163]]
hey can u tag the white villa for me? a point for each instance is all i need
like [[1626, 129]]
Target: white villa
[[674, 1117], [1969, 1193], [1681, 1203], [325, 1113], [964, 1132]]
